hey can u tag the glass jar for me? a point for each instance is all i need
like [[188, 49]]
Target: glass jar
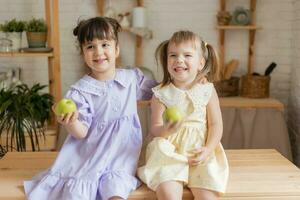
[[5, 45]]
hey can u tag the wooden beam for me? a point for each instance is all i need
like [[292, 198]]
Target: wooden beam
[[222, 5], [53, 40], [140, 2], [251, 37], [253, 11], [100, 7], [138, 51], [222, 51], [251, 51]]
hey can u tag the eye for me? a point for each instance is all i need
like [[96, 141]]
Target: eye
[[105, 45], [188, 55], [172, 55], [90, 46]]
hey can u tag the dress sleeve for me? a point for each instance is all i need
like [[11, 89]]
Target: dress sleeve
[[84, 108], [157, 93], [206, 93], [144, 85]]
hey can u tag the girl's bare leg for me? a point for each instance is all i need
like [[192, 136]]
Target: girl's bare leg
[[171, 190], [202, 194]]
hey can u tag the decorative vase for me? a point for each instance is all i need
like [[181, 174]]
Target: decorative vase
[[139, 17], [241, 16], [16, 38]]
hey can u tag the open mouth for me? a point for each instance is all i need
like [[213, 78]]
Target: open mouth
[[180, 69], [99, 61]]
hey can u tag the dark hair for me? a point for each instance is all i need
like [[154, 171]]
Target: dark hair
[[211, 67], [97, 27]]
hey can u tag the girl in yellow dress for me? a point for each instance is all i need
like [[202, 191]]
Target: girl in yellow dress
[[187, 152]]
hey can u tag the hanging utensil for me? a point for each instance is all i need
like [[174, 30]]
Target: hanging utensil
[[270, 68]]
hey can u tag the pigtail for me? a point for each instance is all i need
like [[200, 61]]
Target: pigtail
[[161, 56], [212, 64], [75, 31], [115, 24]]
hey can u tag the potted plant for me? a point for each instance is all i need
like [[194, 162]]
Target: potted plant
[[36, 32], [24, 112], [13, 30]]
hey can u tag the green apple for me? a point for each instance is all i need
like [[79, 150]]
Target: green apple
[[65, 106], [172, 114]]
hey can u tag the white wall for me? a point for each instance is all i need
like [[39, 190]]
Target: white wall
[[277, 41], [273, 41], [294, 100]]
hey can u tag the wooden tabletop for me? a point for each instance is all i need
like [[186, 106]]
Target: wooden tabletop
[[254, 174], [241, 102]]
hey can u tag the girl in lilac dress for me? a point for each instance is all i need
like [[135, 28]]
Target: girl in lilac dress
[[99, 157]]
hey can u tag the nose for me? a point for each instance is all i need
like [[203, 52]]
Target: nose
[[180, 59], [98, 50]]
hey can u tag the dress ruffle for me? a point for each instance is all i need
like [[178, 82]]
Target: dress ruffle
[[55, 187]]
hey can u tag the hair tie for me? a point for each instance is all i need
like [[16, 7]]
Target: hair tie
[[205, 44]]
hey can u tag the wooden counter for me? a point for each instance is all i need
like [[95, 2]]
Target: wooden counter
[[240, 102], [254, 175]]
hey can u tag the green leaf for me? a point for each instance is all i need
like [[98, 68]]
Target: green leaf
[[13, 26], [36, 25], [24, 110]]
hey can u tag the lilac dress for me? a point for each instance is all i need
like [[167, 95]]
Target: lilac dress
[[103, 164]]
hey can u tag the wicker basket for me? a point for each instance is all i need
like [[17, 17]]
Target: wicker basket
[[226, 88], [255, 86]]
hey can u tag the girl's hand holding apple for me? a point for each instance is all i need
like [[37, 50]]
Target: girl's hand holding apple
[[66, 119], [66, 111], [172, 119]]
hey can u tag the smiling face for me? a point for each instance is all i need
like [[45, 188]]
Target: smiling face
[[185, 61], [100, 56]]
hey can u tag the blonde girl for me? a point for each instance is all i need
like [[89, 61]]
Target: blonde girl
[[188, 152]]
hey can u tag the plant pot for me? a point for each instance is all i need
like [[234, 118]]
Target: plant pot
[[47, 143], [36, 39], [16, 38]]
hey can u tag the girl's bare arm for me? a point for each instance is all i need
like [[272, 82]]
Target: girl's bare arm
[[215, 130], [215, 122]]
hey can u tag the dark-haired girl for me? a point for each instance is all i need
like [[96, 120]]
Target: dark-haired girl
[[99, 157]]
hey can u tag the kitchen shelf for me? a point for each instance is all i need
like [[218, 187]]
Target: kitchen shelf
[[138, 37], [54, 77], [25, 54], [239, 102], [52, 21], [252, 31], [234, 27]]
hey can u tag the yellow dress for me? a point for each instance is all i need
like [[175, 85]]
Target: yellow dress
[[167, 158]]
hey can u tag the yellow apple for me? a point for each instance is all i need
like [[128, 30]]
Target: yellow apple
[[172, 114], [65, 106]]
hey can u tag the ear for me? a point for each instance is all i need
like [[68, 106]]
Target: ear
[[117, 51], [201, 64]]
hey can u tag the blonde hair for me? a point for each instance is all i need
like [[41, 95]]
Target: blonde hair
[[211, 68]]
